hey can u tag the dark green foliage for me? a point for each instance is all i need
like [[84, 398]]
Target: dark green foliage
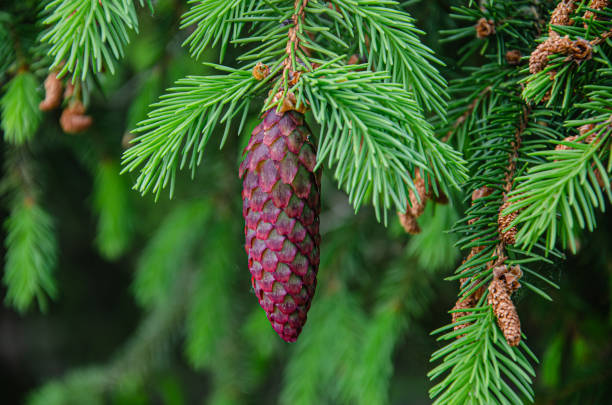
[[187, 329]]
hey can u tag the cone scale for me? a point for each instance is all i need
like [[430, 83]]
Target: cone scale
[[281, 205]]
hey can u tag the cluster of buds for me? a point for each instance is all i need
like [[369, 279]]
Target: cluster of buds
[[595, 5], [485, 28], [577, 50], [73, 119]]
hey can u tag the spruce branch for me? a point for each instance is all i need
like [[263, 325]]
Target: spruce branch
[[374, 134], [559, 196], [176, 132], [217, 23], [20, 113], [86, 36], [31, 246], [31, 255], [388, 39]]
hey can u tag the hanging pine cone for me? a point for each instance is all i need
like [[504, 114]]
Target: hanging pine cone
[[281, 210]]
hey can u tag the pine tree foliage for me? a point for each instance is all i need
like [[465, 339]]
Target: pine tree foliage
[[112, 205], [170, 247], [31, 255], [577, 168], [31, 246], [92, 35], [177, 131], [309, 41], [502, 137], [536, 173], [20, 113]]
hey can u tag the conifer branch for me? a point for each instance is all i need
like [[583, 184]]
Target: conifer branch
[[20, 114], [176, 132], [216, 23], [389, 41], [31, 246], [88, 36], [364, 155]]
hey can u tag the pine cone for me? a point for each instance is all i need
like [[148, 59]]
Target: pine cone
[[281, 209], [499, 298], [561, 13]]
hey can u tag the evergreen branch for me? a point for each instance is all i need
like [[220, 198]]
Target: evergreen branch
[[111, 204], [88, 36], [182, 122], [310, 377], [390, 40], [481, 367], [169, 248], [352, 108], [557, 197], [31, 246], [210, 310], [31, 255], [480, 364], [20, 113], [216, 23], [503, 26]]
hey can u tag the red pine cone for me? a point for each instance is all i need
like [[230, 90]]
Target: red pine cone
[[281, 210]]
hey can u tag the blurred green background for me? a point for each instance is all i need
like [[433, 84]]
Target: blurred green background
[[155, 304]]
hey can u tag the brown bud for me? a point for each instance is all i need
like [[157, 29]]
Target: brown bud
[[513, 57], [561, 13], [484, 28], [583, 129], [69, 92], [409, 223], [73, 119], [353, 60], [261, 71], [580, 50], [462, 303], [53, 93], [481, 192], [126, 140]]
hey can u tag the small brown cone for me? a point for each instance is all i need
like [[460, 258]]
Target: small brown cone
[[73, 119], [53, 93], [595, 5], [513, 57], [507, 235], [484, 28], [499, 298]]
